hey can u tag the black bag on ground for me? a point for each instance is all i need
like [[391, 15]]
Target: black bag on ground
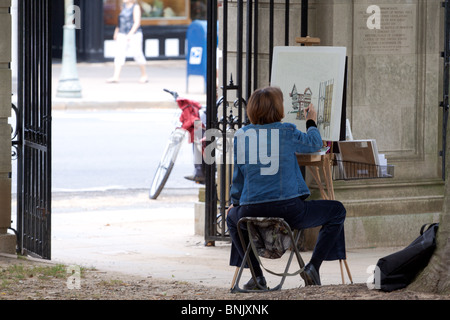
[[398, 270]]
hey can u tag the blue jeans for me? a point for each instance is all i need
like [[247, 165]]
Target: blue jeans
[[298, 214]]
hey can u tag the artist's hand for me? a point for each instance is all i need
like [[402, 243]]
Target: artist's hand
[[228, 210], [310, 113]]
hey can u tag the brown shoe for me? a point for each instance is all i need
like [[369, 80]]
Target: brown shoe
[[196, 179]]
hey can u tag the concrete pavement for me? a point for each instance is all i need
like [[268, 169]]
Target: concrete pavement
[[129, 92], [125, 231]]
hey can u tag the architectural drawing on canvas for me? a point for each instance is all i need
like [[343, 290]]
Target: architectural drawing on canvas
[[300, 101], [325, 103], [311, 75]]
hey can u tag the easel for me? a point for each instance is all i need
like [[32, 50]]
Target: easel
[[321, 163], [317, 164]]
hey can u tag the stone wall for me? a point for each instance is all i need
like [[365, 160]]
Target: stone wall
[[7, 241]]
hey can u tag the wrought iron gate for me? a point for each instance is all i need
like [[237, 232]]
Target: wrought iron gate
[[34, 128], [225, 115]]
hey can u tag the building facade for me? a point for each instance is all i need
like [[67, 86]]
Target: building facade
[[164, 25]]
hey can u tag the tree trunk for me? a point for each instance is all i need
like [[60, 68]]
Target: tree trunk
[[435, 278]]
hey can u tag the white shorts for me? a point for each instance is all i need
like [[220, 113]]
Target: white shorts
[[132, 46]]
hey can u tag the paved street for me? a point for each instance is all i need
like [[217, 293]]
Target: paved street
[[114, 136], [100, 150]]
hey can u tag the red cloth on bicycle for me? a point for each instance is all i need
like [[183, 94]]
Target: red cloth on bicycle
[[190, 113]]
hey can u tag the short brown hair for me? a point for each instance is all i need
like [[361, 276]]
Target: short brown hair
[[266, 106]]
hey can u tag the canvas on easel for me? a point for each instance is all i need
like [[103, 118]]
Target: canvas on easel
[[314, 75]]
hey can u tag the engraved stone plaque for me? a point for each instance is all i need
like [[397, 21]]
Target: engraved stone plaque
[[385, 28], [386, 76]]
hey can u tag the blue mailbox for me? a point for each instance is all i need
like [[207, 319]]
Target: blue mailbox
[[196, 53]]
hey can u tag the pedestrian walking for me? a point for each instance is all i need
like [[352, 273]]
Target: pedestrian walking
[[128, 36]]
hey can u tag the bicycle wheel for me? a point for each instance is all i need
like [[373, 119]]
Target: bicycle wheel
[[166, 163]]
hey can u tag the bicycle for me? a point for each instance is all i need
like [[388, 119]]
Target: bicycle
[[172, 148]]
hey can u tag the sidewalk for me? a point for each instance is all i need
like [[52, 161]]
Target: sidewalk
[[126, 232], [130, 233], [129, 93]]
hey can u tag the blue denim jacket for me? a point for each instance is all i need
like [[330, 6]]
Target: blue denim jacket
[[265, 164]]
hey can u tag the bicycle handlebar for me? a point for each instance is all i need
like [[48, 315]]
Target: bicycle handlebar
[[173, 93]]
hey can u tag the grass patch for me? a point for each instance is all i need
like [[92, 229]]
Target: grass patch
[[17, 272]]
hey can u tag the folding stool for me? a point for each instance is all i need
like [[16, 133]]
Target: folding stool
[[268, 238]]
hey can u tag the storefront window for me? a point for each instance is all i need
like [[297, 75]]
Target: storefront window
[[159, 12], [111, 10], [198, 9], [168, 9]]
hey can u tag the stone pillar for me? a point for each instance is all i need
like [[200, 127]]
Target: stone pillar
[[393, 96], [7, 241]]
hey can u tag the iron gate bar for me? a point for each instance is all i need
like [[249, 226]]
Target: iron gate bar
[[211, 97], [271, 26], [34, 137], [22, 83], [304, 19], [255, 48], [248, 48], [221, 196], [239, 64], [286, 23]]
